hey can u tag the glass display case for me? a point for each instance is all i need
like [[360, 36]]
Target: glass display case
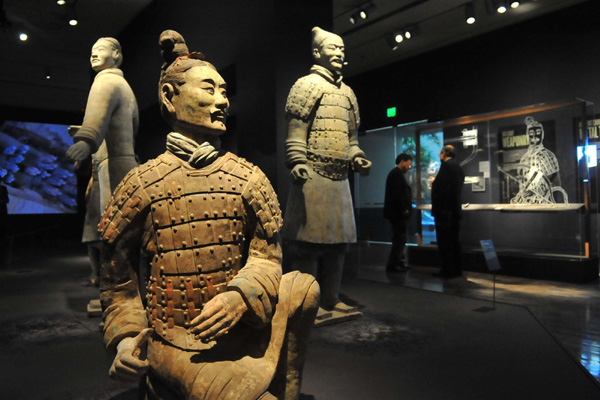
[[530, 179]]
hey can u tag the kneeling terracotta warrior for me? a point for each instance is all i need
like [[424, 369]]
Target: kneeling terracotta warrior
[[221, 319]]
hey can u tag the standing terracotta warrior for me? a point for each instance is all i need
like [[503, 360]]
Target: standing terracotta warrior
[[108, 131], [221, 319], [321, 146]]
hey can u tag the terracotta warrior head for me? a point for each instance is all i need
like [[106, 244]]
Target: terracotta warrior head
[[191, 93], [106, 53], [328, 49]]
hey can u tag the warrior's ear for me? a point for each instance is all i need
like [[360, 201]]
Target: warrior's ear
[[167, 91], [316, 53]]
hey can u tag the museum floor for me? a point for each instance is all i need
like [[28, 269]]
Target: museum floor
[[419, 338]]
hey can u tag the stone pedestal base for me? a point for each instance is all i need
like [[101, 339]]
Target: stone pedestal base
[[94, 309]]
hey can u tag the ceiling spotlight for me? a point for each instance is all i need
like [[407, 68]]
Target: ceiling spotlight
[[61, 2], [407, 34], [72, 14], [366, 11], [48, 74], [394, 39], [354, 18], [470, 13], [514, 4], [501, 7], [23, 37]]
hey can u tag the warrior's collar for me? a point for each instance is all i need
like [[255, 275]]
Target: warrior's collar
[[106, 71], [330, 76], [198, 155]]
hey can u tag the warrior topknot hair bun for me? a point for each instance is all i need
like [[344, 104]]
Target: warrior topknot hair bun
[[173, 46]]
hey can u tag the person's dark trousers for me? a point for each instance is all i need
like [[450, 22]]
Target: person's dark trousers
[[447, 229], [399, 236]]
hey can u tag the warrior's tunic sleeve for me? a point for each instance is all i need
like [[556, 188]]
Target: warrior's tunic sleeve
[[258, 280], [122, 229], [103, 99]]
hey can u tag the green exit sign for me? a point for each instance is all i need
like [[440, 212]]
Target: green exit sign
[[391, 112]]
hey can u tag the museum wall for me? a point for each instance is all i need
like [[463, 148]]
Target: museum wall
[[260, 47], [547, 59], [553, 57]]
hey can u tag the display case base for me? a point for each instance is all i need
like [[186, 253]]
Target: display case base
[[562, 268]]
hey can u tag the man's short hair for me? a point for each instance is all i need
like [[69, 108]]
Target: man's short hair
[[402, 157], [449, 150], [114, 43]]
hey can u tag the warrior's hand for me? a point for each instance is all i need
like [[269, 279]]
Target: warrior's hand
[[300, 173], [130, 363], [79, 151], [361, 165], [218, 316]]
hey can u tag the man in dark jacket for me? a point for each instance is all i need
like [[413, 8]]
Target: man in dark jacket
[[446, 209], [396, 209]]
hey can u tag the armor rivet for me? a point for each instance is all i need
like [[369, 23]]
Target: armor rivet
[[197, 252], [169, 193], [179, 188], [161, 247], [195, 241], [158, 233], [152, 196], [178, 254], [192, 217], [184, 244], [208, 224], [206, 214], [188, 280], [172, 220], [174, 229]]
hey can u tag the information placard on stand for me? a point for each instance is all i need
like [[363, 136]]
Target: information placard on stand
[[493, 265]]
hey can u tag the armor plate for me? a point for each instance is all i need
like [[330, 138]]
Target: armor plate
[[196, 225]]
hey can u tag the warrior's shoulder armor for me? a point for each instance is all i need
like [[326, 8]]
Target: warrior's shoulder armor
[[304, 95], [258, 194], [352, 97], [132, 195]]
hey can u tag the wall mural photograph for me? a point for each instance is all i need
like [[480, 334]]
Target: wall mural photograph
[[39, 179]]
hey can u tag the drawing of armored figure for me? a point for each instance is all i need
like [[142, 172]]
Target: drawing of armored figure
[[538, 171]]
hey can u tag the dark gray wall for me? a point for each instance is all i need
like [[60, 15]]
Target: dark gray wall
[[553, 57]]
